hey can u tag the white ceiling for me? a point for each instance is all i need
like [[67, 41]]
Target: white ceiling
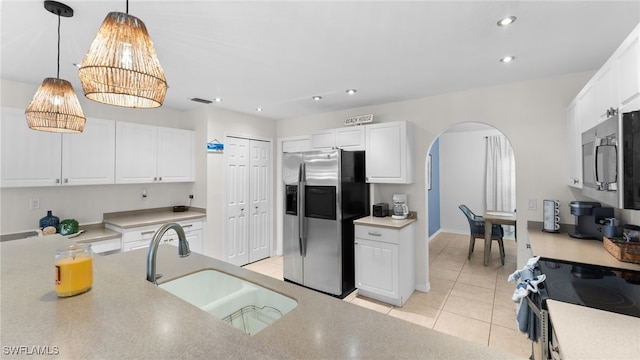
[[277, 55]]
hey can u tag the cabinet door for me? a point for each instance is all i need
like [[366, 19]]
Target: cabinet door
[[629, 70], [175, 155], [605, 89], [136, 153], [389, 155], [296, 144], [587, 113], [574, 147], [377, 267], [351, 138], [29, 157], [323, 140], [89, 158]]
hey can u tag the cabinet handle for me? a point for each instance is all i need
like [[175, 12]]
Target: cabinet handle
[[66, 180], [160, 178], [147, 232], [57, 181], [187, 226], [155, 179], [374, 233]]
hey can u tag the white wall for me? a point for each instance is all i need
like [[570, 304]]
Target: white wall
[[531, 114], [462, 176]]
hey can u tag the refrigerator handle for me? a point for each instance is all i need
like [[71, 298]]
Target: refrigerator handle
[[301, 208]]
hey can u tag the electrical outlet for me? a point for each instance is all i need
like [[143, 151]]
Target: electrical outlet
[[192, 194], [34, 204], [532, 204]]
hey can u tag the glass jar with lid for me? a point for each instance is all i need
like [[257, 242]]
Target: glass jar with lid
[[73, 269]]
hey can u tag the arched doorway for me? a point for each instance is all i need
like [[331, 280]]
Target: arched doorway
[[460, 166]]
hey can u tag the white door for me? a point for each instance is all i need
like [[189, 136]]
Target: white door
[[259, 182], [236, 156]]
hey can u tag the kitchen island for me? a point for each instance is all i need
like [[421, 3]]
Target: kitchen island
[[125, 316]]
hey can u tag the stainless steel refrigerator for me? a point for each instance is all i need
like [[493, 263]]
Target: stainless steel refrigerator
[[324, 192]]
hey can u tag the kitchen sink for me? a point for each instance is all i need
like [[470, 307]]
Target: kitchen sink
[[242, 304]]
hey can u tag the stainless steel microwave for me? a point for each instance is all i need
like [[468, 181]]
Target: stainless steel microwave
[[611, 161]]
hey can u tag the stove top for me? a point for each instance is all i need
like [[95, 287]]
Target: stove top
[[599, 287]]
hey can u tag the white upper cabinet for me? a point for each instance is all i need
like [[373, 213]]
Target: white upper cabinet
[[323, 140], [389, 156], [296, 144], [29, 157], [574, 145], [605, 88], [347, 138], [587, 114], [175, 155], [351, 138], [147, 154], [38, 158], [89, 158], [628, 66]]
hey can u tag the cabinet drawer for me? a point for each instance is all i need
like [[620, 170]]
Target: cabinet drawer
[[103, 246], [142, 233], [377, 234]]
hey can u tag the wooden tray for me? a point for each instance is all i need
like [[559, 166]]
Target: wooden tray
[[622, 250]]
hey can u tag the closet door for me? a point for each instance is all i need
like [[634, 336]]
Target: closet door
[[260, 183], [236, 158], [248, 193]]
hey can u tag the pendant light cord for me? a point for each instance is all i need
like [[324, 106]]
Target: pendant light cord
[[58, 73], [127, 7]]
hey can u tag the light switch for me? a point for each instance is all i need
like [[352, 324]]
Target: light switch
[[532, 204]]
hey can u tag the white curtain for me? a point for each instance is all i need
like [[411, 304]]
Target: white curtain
[[501, 174]]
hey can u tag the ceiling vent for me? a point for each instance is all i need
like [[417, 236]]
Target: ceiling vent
[[201, 100]]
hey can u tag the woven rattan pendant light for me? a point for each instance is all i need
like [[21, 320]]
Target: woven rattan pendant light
[[121, 67], [55, 106]]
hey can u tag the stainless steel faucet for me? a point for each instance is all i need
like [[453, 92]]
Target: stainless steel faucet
[[183, 249]]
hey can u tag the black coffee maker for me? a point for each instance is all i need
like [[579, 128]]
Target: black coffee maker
[[590, 217]]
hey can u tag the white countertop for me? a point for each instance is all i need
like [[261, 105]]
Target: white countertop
[[561, 246], [131, 219], [386, 222], [586, 333]]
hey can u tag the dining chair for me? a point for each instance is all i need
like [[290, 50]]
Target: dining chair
[[476, 229]]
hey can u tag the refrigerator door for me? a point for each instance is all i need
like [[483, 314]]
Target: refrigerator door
[[322, 222], [292, 251]]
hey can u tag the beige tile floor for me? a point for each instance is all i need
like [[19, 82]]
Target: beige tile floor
[[466, 299]]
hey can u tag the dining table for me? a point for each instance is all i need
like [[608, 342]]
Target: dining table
[[495, 217]]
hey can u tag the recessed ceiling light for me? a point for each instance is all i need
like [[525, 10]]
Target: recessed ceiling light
[[217, 99], [507, 21], [508, 59], [259, 109], [317, 98], [77, 65], [351, 91]]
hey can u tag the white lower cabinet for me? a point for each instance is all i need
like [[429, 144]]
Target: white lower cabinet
[[140, 237], [384, 262]]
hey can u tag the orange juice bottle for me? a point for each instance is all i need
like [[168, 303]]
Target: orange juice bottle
[[74, 269]]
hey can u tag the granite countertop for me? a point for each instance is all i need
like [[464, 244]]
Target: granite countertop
[[586, 333], [385, 222], [131, 219], [123, 315], [563, 247]]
